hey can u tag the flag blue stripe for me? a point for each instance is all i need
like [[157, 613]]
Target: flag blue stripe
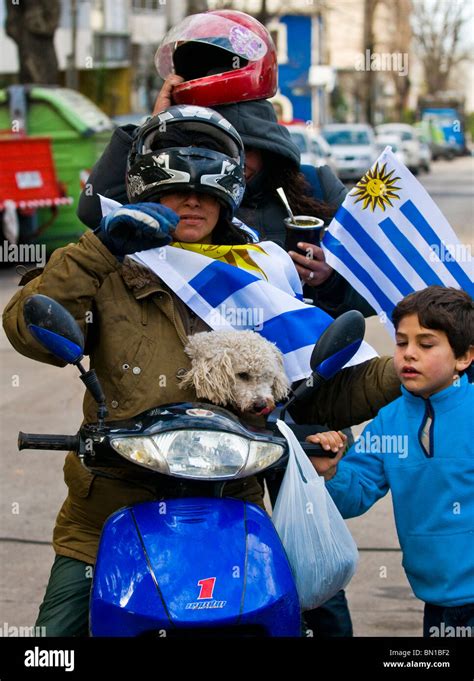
[[373, 250], [410, 253], [296, 329], [417, 219], [219, 280], [336, 247]]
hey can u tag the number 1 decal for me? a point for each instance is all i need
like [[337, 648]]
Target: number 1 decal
[[207, 588]]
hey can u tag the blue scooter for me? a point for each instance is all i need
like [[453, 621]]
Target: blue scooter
[[197, 564]]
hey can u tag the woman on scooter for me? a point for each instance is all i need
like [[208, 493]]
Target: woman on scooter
[[136, 329]]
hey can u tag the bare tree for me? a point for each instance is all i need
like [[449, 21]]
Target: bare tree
[[263, 15], [370, 7], [437, 28], [196, 6], [32, 24], [400, 42]]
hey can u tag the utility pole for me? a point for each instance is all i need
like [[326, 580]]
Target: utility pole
[[72, 74], [196, 6], [263, 14], [321, 92]]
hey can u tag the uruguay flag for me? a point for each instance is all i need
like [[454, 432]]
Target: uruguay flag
[[389, 238]]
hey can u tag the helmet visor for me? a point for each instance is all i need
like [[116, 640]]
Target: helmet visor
[[183, 170], [211, 30]]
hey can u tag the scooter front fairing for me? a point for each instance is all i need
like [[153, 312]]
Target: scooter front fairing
[[186, 566]]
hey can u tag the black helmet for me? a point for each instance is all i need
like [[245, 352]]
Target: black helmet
[[155, 168]]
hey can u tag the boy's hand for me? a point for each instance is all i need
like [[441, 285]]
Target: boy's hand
[[329, 440], [164, 98], [137, 227]]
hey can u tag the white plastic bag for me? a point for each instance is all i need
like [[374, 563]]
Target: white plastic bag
[[320, 548]]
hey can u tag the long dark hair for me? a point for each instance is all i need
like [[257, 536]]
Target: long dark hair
[[225, 233], [280, 172]]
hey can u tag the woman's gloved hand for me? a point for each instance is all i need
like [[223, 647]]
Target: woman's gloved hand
[[137, 227]]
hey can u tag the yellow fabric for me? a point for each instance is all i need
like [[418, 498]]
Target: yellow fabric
[[239, 256]]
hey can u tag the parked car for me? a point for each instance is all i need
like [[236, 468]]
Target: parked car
[[323, 151], [409, 142], [393, 141], [432, 133], [313, 147], [353, 148], [300, 135], [425, 152]]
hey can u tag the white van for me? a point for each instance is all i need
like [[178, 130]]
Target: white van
[[409, 143]]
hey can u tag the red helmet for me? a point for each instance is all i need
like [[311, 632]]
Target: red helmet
[[224, 56]]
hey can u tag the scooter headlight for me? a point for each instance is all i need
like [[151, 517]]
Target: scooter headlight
[[204, 454]]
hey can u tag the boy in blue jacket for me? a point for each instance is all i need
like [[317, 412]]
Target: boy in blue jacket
[[421, 447]]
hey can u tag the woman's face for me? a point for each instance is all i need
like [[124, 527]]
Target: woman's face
[[253, 162], [198, 215]]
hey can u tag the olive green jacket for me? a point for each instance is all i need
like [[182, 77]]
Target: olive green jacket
[[135, 331]]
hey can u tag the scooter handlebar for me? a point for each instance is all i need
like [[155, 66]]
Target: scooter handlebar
[[44, 441], [313, 449]]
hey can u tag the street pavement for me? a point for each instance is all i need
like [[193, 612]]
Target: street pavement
[[39, 398]]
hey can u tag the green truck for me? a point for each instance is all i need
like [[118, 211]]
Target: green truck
[[77, 131]]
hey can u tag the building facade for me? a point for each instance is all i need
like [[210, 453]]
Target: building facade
[[115, 44], [328, 65]]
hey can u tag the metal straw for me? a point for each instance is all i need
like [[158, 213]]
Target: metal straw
[[282, 196]]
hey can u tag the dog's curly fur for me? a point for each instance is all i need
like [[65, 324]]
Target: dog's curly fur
[[237, 369]]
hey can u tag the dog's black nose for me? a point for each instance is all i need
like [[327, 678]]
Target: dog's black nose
[[259, 405]]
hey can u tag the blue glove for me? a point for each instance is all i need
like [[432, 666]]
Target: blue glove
[[137, 227]]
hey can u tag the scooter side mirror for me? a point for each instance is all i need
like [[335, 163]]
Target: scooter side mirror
[[57, 331], [54, 327], [335, 347], [339, 342]]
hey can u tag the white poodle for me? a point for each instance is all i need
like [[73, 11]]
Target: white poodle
[[237, 369]]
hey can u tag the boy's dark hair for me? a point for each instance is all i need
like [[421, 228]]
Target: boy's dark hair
[[444, 309]]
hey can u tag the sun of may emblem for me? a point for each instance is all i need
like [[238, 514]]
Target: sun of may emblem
[[376, 188]]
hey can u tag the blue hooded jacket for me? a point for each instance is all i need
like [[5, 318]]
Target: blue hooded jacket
[[432, 491]]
